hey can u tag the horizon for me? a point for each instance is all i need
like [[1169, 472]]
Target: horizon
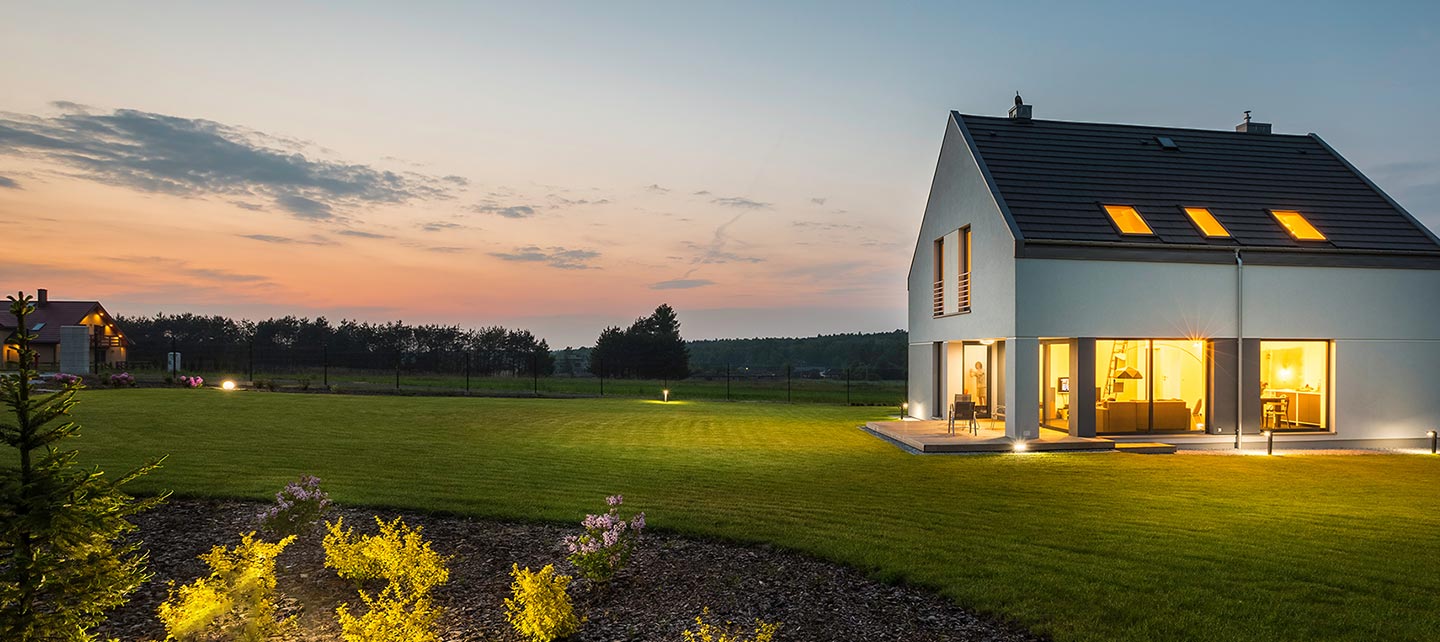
[[762, 169]]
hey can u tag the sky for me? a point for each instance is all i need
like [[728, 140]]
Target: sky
[[762, 167]]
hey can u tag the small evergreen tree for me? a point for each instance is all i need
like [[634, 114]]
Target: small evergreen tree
[[63, 557]]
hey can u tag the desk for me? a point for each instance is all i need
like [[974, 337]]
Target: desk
[[1306, 407]]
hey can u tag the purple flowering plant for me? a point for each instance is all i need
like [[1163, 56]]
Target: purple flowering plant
[[607, 543], [122, 380], [297, 509], [67, 380], [190, 382]]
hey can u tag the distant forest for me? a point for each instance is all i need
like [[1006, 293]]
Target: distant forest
[[871, 356]]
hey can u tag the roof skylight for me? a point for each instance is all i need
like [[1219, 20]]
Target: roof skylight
[[1127, 220], [1167, 143], [1207, 223], [1296, 224]]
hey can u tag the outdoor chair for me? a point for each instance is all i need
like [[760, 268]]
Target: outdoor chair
[[964, 411]]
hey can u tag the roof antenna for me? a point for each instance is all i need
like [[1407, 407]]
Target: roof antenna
[[1247, 116], [1021, 102]]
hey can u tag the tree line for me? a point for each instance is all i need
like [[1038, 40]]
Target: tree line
[[488, 350]]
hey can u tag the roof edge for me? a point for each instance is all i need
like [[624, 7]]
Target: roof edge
[[985, 172], [1136, 125], [1366, 179]]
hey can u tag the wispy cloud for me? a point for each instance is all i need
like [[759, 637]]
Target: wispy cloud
[[444, 249], [655, 187], [681, 284], [9, 183], [556, 257], [361, 234], [440, 226], [507, 211], [825, 225], [285, 240], [819, 200], [740, 202], [174, 266], [703, 192], [191, 157], [717, 249]]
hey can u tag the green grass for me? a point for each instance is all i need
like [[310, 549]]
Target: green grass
[[1079, 546]]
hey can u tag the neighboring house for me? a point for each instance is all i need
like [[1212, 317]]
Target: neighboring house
[[72, 336], [1130, 280]]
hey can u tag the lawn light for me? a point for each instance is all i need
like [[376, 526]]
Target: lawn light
[[665, 394], [1020, 446], [1269, 442], [904, 409], [228, 385], [1433, 436]]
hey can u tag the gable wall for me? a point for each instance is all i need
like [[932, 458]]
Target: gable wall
[[959, 196]]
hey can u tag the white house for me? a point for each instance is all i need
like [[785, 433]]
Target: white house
[[1132, 281]]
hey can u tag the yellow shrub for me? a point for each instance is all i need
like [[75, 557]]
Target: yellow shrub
[[398, 554], [391, 617], [540, 609], [237, 599], [706, 632]]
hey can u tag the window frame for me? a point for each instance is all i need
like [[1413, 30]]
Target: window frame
[[1275, 214], [1105, 209], [1185, 209]]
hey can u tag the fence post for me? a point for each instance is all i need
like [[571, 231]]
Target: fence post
[[600, 365], [397, 369], [467, 372], [172, 357], [535, 373], [787, 384], [325, 364], [727, 382], [250, 367], [847, 385]]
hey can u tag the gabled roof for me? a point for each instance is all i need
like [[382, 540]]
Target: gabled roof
[[53, 315], [1051, 178]]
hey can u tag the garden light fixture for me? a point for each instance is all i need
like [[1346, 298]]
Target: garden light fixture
[[665, 395], [1269, 442], [1020, 446], [1433, 435], [228, 385], [904, 409]]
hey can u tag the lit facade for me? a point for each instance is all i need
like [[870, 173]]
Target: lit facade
[[1137, 291]]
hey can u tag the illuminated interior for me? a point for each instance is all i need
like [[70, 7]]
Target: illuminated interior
[[1055, 385], [1297, 226], [1294, 385], [1207, 223], [1127, 219], [1150, 385]]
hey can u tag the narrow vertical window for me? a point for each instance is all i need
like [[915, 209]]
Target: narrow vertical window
[[938, 293], [963, 289]]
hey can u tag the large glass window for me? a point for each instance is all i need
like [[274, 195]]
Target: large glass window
[[1294, 385], [1055, 385], [1150, 385]]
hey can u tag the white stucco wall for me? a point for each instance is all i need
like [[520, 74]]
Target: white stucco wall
[[1385, 323], [959, 196]]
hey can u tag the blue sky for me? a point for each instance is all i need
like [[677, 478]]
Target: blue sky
[[761, 166]]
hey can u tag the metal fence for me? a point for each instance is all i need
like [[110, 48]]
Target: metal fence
[[319, 368]]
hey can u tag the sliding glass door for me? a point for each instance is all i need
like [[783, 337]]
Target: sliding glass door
[[1150, 385]]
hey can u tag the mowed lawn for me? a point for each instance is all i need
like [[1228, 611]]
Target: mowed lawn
[[1079, 546]]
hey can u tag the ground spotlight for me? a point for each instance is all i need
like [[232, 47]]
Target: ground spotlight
[[1020, 446], [1269, 442], [904, 409], [1433, 437], [665, 395], [228, 385]]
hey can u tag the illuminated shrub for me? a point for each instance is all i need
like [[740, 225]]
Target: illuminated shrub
[[190, 381], [122, 380], [237, 600], [398, 554], [391, 616], [729, 632], [402, 610], [539, 608], [297, 509], [607, 543]]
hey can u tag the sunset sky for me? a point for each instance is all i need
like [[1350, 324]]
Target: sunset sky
[[562, 167]]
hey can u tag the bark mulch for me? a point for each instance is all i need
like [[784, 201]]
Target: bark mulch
[[670, 579]]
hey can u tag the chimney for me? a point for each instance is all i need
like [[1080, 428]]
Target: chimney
[[1021, 111], [42, 296], [1248, 127]]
